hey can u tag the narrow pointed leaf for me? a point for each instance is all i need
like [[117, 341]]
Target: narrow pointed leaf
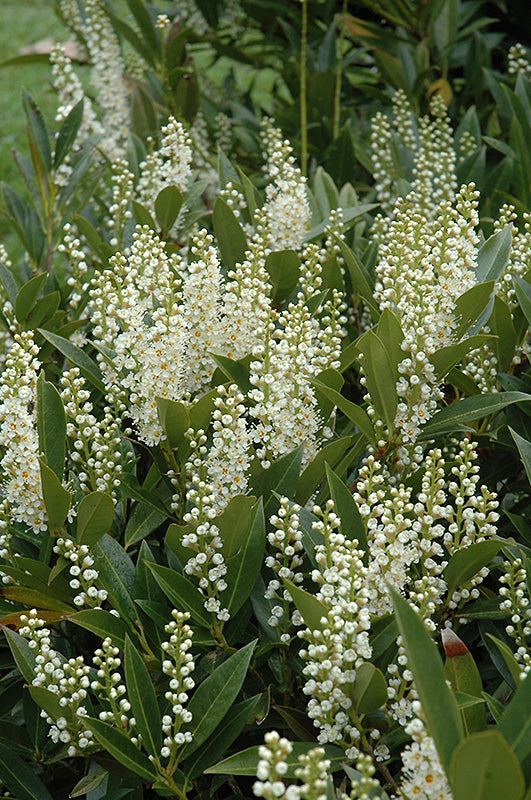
[[121, 748], [182, 593], [94, 517], [51, 425], [143, 700]]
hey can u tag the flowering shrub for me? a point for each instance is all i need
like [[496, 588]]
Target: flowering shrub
[[264, 449]]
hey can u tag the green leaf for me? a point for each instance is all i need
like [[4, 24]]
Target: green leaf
[[50, 703], [470, 306], [244, 568], [116, 575], [219, 742], [234, 523], [51, 425], [493, 255], [235, 371], [56, 498], [309, 606], [501, 325], [143, 521], [43, 311], [143, 216], [77, 356], [143, 700], [515, 725], [102, 623], [523, 293], [392, 336], [120, 747], [181, 593], [469, 409], [467, 562], [19, 779], [174, 420], [314, 473], [145, 25], [281, 477], [246, 761], [438, 703], [461, 670], [524, 448], [9, 283], [283, 268], [333, 379], [27, 296], [507, 654], [89, 782], [485, 768], [355, 413], [229, 234], [369, 691], [167, 206], [67, 134], [447, 357], [348, 216], [352, 526], [37, 132], [380, 376], [22, 653], [95, 514], [215, 695], [360, 280]]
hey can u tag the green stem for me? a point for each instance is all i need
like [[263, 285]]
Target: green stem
[[304, 109], [339, 77]]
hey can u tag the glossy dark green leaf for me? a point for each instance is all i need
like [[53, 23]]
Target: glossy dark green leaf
[[143, 521], [229, 234], [467, 562], [174, 419], [219, 742], [470, 409], [49, 701], [438, 703], [27, 296], [501, 326], [22, 653], [51, 425], [524, 448], [380, 376], [314, 473], [143, 216], [333, 379], [352, 526], [181, 593], [89, 782], [523, 293], [78, 357], [447, 357], [515, 725], [355, 413], [43, 311], [37, 132], [21, 782], [95, 514], [244, 568], [246, 761], [472, 305], [392, 336], [235, 371], [56, 499], [167, 206], [283, 268], [116, 575], [493, 255], [360, 280], [369, 691], [309, 606], [121, 748], [281, 477], [145, 25], [485, 768], [143, 700], [215, 695], [102, 623], [67, 134], [234, 523]]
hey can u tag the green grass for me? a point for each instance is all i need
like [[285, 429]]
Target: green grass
[[22, 22]]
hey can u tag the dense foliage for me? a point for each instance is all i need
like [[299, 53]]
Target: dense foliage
[[265, 447]]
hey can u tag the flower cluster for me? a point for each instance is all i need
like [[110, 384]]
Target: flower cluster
[[424, 776], [68, 680], [286, 543], [341, 642], [515, 601], [273, 766], [287, 209], [227, 462], [19, 441], [110, 688], [95, 445], [178, 664], [83, 573]]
